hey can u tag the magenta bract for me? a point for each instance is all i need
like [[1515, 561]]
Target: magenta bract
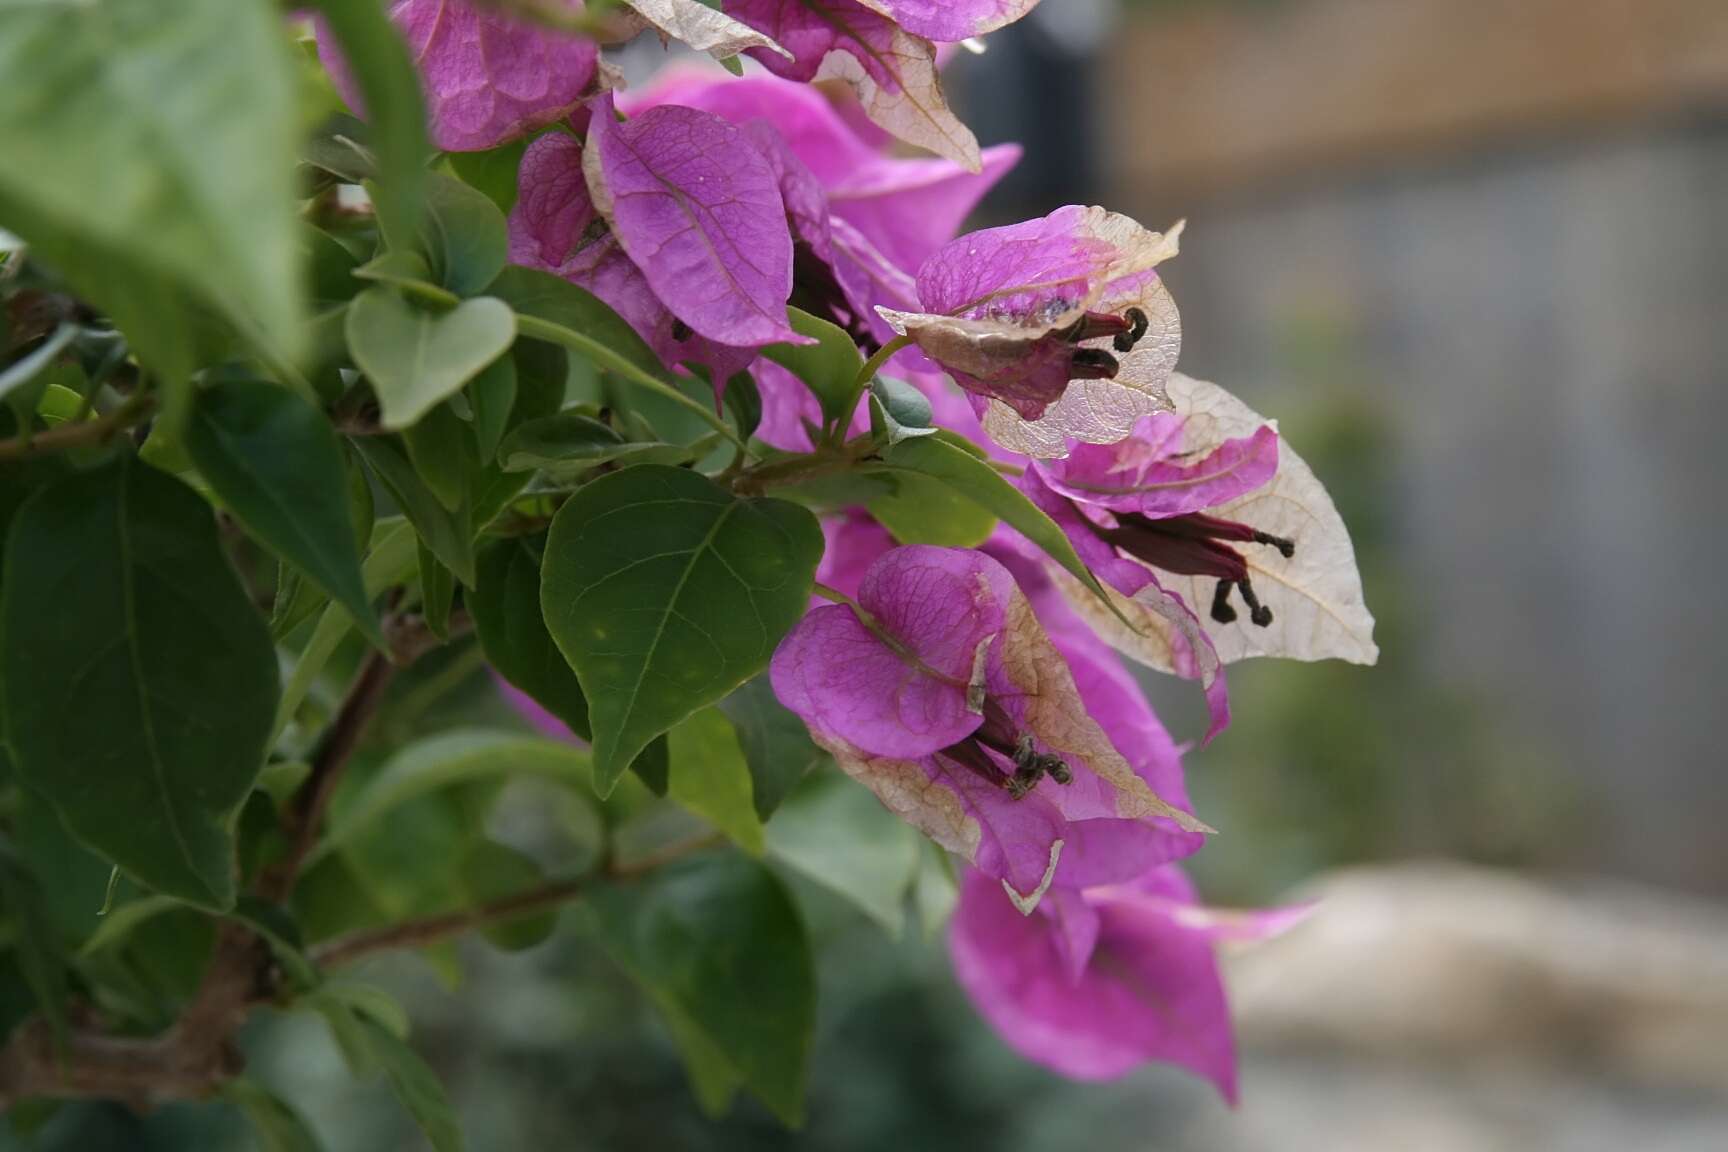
[[1095, 983], [698, 210], [1060, 326], [487, 78], [953, 705], [555, 227]]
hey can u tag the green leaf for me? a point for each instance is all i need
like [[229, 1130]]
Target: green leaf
[[829, 367], [718, 942], [709, 777], [144, 715], [558, 312], [153, 141], [275, 462], [775, 743], [120, 923], [442, 451], [333, 265], [36, 939], [366, 1000], [505, 605], [437, 592], [416, 358], [395, 114], [898, 411], [464, 234], [653, 766], [448, 534], [447, 760], [922, 510], [276, 927], [336, 145], [712, 1076], [279, 1127], [492, 396], [839, 835], [934, 890], [23, 381], [492, 172], [406, 269], [414, 1083], [665, 592], [80, 878], [389, 562], [744, 400], [491, 871], [973, 478], [569, 443]]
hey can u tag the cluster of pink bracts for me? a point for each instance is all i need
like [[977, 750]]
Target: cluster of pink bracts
[[978, 693]]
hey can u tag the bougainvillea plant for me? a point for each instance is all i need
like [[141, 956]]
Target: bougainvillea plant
[[346, 340]]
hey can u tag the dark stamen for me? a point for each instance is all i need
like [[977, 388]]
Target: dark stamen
[[970, 756], [1257, 612], [1093, 364], [1221, 610], [1284, 545], [998, 734], [1094, 325], [1137, 325], [1023, 781], [1191, 544], [680, 330]]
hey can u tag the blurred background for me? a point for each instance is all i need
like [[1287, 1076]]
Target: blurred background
[[1473, 255]]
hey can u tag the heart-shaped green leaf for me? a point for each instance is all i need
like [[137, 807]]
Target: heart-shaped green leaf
[[665, 592], [415, 358]]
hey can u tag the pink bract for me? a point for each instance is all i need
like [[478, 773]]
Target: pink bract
[[954, 706], [699, 211], [487, 78], [1060, 327], [1104, 980], [555, 227]]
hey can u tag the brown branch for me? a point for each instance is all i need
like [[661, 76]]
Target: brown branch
[[103, 1067], [197, 1055], [432, 929], [187, 1062], [306, 810], [80, 433]]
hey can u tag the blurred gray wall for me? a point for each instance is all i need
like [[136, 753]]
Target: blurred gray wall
[[1528, 281]]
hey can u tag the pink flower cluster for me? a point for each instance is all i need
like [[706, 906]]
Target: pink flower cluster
[[979, 693]]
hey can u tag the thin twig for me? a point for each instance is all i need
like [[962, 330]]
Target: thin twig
[[306, 811], [80, 434], [432, 929]]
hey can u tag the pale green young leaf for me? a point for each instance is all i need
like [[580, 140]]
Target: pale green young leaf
[[415, 357], [710, 777]]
